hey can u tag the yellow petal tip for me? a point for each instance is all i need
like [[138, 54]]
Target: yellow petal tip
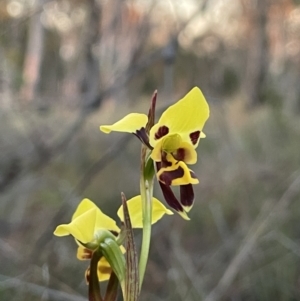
[[128, 124], [187, 209], [183, 215], [61, 231], [169, 212], [105, 129]]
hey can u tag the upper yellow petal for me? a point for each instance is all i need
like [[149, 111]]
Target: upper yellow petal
[[84, 206], [136, 213], [85, 221], [129, 124], [185, 117], [81, 228], [102, 220], [83, 253]]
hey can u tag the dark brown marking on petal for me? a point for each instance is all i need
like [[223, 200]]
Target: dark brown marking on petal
[[194, 137], [179, 155], [162, 131], [187, 195], [115, 233], [87, 275], [104, 269], [170, 197], [168, 176], [142, 135], [87, 254], [164, 161]]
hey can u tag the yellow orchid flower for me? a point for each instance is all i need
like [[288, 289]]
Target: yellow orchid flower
[[173, 140], [88, 221]]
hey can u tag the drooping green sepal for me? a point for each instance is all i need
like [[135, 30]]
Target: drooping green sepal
[[100, 236], [113, 254]]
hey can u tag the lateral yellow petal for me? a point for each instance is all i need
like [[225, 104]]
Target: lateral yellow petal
[[136, 214], [129, 124], [83, 253], [156, 152], [104, 269], [158, 210], [186, 117]]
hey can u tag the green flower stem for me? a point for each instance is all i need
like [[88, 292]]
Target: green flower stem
[[94, 287], [146, 187]]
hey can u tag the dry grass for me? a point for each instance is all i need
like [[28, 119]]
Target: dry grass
[[242, 242]]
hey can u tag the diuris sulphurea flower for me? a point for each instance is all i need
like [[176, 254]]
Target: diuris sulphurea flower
[[89, 222], [173, 141]]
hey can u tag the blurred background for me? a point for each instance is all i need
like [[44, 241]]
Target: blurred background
[[67, 66]]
